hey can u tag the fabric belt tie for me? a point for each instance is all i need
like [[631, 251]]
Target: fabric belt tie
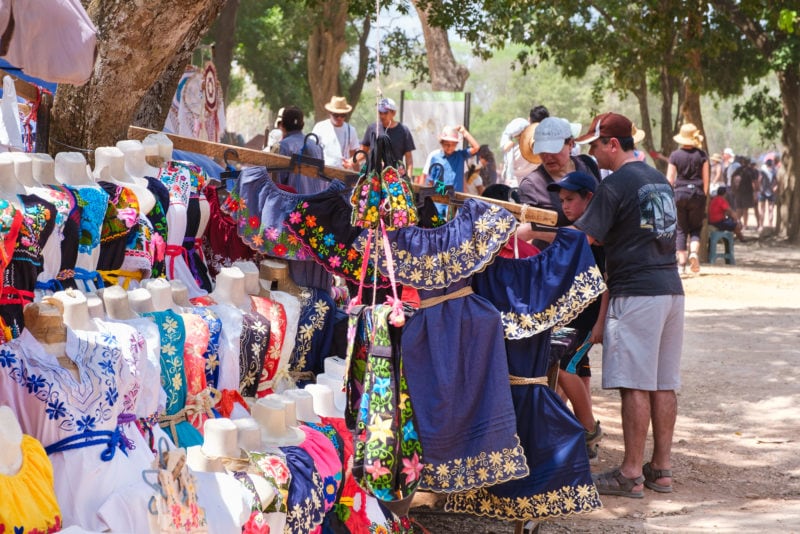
[[12, 295], [145, 425], [227, 398], [112, 441], [433, 301], [113, 277], [124, 419], [172, 421], [522, 381], [89, 276], [172, 252], [201, 404], [52, 285]]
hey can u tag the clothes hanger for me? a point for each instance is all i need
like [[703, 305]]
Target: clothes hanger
[[304, 165]]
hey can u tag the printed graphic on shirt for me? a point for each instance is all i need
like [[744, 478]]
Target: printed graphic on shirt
[[657, 211]]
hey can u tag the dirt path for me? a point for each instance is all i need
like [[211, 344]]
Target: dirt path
[[737, 453]]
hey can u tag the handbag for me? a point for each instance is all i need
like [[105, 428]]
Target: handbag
[[174, 506]]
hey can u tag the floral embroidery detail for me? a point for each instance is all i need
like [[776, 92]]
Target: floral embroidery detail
[[313, 318], [92, 203], [122, 198], [253, 345], [275, 470], [565, 501], [211, 355], [34, 219], [7, 358]]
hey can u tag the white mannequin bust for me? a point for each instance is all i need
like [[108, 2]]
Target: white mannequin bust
[[324, 405], [135, 159], [23, 169], [230, 289], [9, 186], [109, 164], [161, 292], [140, 300], [117, 303], [304, 404], [43, 167], [76, 310], [219, 442], [249, 433], [158, 144], [276, 275], [96, 308], [250, 271], [122, 175], [180, 293], [71, 169], [270, 413], [10, 442]]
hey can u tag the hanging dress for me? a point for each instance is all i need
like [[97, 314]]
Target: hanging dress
[[534, 295], [221, 243], [453, 351], [276, 315], [158, 220], [192, 241], [93, 202], [314, 335], [261, 208], [19, 277]]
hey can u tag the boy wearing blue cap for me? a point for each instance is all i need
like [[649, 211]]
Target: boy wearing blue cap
[[571, 343]]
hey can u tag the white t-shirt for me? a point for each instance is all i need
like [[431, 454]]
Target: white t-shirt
[[336, 143]]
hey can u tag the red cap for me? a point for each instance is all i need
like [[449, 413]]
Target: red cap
[[608, 125]]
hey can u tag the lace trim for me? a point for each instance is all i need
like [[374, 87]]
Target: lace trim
[[564, 501]]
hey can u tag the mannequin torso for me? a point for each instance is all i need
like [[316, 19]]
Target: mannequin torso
[[270, 413], [23, 169], [276, 274], [45, 321], [231, 289], [110, 166], [161, 293], [76, 310], [250, 271], [180, 293], [117, 304], [136, 168], [44, 169], [71, 169], [9, 186], [140, 300]]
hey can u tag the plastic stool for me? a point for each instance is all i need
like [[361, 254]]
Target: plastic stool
[[727, 239]]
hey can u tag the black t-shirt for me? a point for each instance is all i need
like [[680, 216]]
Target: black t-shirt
[[399, 135], [689, 164], [633, 215]]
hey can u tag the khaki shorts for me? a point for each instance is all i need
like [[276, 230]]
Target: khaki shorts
[[642, 343]]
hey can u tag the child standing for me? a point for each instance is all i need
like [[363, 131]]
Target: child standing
[[571, 343]]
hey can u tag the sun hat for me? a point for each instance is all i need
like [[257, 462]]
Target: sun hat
[[689, 135], [550, 135], [526, 144], [638, 135], [716, 157], [386, 104], [608, 125], [575, 181], [338, 104], [279, 118], [729, 152], [449, 133]]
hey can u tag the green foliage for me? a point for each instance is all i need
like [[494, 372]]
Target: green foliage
[[764, 109], [788, 20]]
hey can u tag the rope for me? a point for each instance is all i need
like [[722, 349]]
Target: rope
[[522, 381], [433, 301]]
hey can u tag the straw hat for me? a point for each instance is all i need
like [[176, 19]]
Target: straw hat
[[449, 133], [689, 135], [716, 157], [526, 144], [338, 104], [638, 135]]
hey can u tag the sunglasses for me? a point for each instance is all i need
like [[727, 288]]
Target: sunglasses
[[338, 115]]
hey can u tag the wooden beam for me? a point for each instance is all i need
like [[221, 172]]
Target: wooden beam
[[246, 155], [26, 90]]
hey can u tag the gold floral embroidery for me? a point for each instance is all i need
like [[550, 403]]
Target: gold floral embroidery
[[492, 229], [587, 287], [485, 469], [565, 501], [305, 334]]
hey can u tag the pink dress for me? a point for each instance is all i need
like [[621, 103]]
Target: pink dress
[[199, 400], [275, 313]]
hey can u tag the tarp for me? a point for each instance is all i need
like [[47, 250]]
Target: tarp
[[19, 73]]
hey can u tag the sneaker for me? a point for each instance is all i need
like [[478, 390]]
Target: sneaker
[[694, 263]]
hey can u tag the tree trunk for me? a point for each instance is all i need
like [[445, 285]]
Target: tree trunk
[[224, 31], [137, 43], [446, 73], [789, 201], [326, 45], [690, 106], [354, 93], [641, 94], [667, 84]]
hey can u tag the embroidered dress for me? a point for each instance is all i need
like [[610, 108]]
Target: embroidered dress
[[534, 295], [19, 277], [194, 253], [76, 420], [92, 203], [272, 466], [231, 318], [292, 307], [276, 315], [327, 462], [10, 224], [454, 354], [173, 379], [261, 209], [306, 501], [158, 220], [212, 353], [199, 399], [323, 226], [221, 243], [253, 346], [29, 500], [314, 335], [51, 252], [119, 223]]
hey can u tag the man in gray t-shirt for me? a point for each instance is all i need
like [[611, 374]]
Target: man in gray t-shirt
[[633, 215]]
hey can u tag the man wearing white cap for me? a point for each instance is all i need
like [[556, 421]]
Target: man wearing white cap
[[399, 134], [338, 139]]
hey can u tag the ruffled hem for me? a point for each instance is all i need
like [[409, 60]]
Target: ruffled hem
[[567, 500], [437, 258]]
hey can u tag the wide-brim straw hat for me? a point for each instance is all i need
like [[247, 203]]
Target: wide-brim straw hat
[[526, 144], [689, 135], [338, 104], [716, 157]]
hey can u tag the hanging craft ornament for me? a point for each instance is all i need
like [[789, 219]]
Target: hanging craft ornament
[[210, 88]]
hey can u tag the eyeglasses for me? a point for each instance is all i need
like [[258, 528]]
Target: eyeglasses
[[338, 115]]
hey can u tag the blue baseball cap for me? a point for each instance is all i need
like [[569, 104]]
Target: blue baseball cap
[[575, 181]]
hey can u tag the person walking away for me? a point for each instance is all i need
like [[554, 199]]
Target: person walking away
[[552, 142], [633, 215], [293, 142], [688, 174], [572, 342], [721, 216], [746, 182], [337, 137], [767, 194], [399, 135]]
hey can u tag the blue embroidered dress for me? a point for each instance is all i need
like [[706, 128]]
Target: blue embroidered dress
[[534, 295], [454, 354], [314, 335]]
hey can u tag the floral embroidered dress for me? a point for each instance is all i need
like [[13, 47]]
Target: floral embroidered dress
[[64, 203], [29, 499], [120, 228], [534, 295], [293, 308], [306, 502], [192, 242], [76, 420], [261, 209], [199, 399], [158, 220], [92, 204], [10, 224], [221, 243], [173, 379], [328, 464], [212, 353], [19, 277], [253, 346], [314, 335], [276, 315], [272, 467], [453, 351]]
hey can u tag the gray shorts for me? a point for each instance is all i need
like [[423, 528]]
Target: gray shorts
[[642, 343]]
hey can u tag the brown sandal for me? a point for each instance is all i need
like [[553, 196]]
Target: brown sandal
[[651, 475], [615, 483]]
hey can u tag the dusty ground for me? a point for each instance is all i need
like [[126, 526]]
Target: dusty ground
[[736, 454]]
